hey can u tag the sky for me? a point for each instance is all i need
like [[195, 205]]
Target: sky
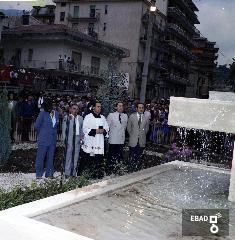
[[217, 18], [217, 23]]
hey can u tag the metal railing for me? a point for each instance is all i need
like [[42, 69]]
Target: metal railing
[[176, 12], [181, 32], [177, 79], [180, 48], [68, 67], [32, 132], [161, 134]]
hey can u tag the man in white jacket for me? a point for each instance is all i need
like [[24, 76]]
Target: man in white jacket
[[95, 128], [117, 122]]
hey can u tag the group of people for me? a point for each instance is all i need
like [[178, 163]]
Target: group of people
[[47, 81], [87, 133]]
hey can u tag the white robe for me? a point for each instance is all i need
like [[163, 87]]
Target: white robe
[[94, 145]]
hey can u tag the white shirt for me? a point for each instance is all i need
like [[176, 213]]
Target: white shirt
[[40, 102], [11, 104], [53, 119], [77, 124], [139, 115]]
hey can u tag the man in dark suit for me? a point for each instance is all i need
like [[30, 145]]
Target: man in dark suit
[[46, 127]]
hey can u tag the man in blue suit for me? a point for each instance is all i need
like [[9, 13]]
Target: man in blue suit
[[46, 127]]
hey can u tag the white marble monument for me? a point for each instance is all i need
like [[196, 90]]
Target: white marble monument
[[216, 114]]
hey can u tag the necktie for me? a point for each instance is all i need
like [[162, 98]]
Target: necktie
[[120, 120], [139, 122]]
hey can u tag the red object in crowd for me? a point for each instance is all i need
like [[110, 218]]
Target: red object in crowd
[[5, 74], [26, 79]]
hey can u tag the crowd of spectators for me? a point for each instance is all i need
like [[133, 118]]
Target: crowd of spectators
[[26, 106], [40, 80]]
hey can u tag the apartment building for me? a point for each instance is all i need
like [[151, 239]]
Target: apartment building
[[181, 18], [40, 48], [125, 24], [204, 67]]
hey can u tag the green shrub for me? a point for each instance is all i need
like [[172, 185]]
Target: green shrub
[[38, 190]]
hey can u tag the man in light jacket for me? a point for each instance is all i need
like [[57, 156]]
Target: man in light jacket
[[117, 122], [138, 126]]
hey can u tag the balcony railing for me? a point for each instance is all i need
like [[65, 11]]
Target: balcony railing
[[181, 32], [67, 67], [177, 79], [179, 15], [91, 18], [180, 48], [179, 64]]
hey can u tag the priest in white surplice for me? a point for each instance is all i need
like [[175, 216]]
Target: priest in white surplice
[[95, 128]]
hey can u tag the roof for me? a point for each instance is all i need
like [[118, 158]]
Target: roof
[[146, 1], [44, 31]]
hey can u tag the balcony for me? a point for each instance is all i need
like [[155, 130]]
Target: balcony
[[66, 67], [158, 65], [160, 45], [174, 28], [206, 64], [189, 8], [91, 18], [178, 15], [180, 65], [182, 50], [177, 80]]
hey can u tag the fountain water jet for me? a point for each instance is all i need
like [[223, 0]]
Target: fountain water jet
[[215, 115]]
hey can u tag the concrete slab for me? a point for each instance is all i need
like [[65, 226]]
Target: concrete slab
[[222, 96], [204, 114]]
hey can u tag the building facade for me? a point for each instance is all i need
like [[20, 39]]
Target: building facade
[[204, 67], [125, 24], [56, 50], [180, 38]]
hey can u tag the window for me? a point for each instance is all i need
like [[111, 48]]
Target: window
[[76, 12], [95, 65], [63, 4], [105, 26], [92, 11], [62, 16], [30, 54], [106, 9]]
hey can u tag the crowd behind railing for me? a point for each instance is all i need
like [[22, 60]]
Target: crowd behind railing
[[40, 80], [25, 109]]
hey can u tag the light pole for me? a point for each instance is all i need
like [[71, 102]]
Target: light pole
[[144, 76]]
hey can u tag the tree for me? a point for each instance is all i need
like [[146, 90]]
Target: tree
[[5, 128], [112, 88]]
